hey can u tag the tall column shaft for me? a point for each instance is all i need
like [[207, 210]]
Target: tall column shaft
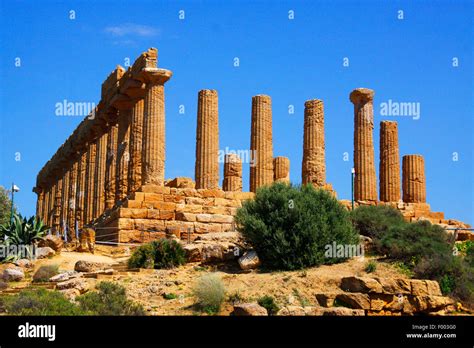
[[57, 207], [153, 156], [100, 164], [136, 137], [110, 166], [232, 173], [39, 203], [80, 191], [207, 140], [261, 142], [389, 165], [123, 154], [281, 167], [414, 182], [64, 199], [365, 185], [51, 205], [72, 200], [314, 162], [47, 199], [89, 193]]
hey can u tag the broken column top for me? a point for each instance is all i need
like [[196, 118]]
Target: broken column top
[[262, 97], [362, 95], [388, 124], [312, 102], [207, 92]]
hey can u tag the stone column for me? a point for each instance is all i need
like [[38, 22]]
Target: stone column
[[57, 207], [153, 154], [261, 143], [232, 173], [365, 186], [72, 200], [89, 193], [47, 199], [99, 188], [281, 167], [80, 191], [207, 141], [314, 162], [136, 136], [51, 205], [389, 167], [64, 199], [414, 183], [39, 202], [123, 153], [110, 166]]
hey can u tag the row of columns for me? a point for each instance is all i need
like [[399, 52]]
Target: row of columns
[[414, 184], [126, 155]]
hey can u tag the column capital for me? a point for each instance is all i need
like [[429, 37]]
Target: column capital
[[363, 95], [155, 75]]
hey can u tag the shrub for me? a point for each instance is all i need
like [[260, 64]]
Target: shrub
[[268, 302], [39, 302], [371, 267], [110, 299], [375, 220], [45, 272], [169, 296], [290, 226], [163, 253], [210, 293], [411, 242]]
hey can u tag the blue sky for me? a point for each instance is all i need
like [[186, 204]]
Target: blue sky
[[292, 60]]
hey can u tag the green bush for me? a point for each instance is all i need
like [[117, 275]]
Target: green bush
[[163, 253], [411, 242], [374, 220], [210, 293], [45, 272], [371, 267], [290, 226], [39, 302], [110, 299], [268, 302]]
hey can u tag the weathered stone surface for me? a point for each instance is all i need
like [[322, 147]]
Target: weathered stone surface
[[326, 299], [44, 252], [354, 300], [13, 274], [207, 140], [111, 166], [364, 164], [249, 309], [395, 285], [89, 266], [314, 162], [281, 169], [24, 263], [78, 284], [261, 142], [360, 284], [389, 169], [181, 182], [414, 183], [52, 241], [61, 277], [249, 260], [70, 294], [136, 143], [342, 311], [232, 173]]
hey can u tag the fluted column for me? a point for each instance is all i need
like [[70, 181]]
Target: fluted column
[[314, 162], [414, 183], [64, 199], [47, 200], [232, 173], [89, 193], [136, 136], [110, 166], [261, 142], [57, 207], [389, 167], [365, 186], [153, 154], [281, 169], [123, 153], [207, 140], [80, 191], [51, 205], [39, 202], [72, 199], [99, 188]]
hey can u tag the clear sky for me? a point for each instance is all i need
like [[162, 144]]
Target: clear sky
[[422, 55]]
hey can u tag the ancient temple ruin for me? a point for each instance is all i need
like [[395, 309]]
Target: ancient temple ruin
[[110, 173]]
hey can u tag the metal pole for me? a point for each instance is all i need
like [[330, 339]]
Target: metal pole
[[11, 212]]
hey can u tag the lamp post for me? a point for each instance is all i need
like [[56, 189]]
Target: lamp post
[[352, 187], [14, 189]]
